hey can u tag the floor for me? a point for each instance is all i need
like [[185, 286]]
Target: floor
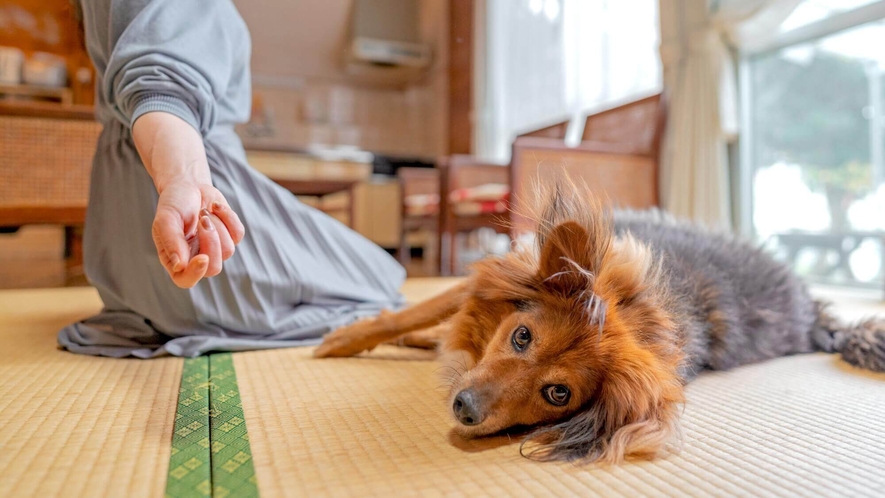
[[72, 425], [33, 258], [378, 424]]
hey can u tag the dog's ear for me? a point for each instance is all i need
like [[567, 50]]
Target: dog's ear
[[634, 415], [571, 254], [641, 410]]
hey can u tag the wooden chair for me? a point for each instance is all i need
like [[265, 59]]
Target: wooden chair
[[618, 158], [44, 177], [464, 171], [416, 219], [557, 130], [639, 123]]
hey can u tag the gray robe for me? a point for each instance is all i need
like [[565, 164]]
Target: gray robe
[[297, 275]]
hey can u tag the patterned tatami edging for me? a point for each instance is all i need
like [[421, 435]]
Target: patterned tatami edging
[[210, 446]]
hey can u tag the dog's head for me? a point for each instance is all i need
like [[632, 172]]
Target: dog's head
[[572, 339]]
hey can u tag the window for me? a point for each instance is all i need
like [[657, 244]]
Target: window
[[817, 148], [550, 60], [812, 11]]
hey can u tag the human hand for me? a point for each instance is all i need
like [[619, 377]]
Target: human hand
[[194, 230]]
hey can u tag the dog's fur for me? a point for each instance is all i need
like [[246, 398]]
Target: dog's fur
[[623, 310]]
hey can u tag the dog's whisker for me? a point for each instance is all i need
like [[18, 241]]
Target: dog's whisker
[[446, 366]]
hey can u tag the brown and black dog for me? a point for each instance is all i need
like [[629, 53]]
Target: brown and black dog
[[589, 335]]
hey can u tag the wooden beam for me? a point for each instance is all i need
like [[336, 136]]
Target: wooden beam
[[461, 23]]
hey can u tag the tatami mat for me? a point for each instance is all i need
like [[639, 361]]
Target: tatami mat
[[74, 425], [378, 426], [80, 426]]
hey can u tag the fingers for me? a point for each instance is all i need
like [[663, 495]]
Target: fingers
[[214, 233], [175, 254], [168, 232], [210, 243], [230, 219], [224, 237], [196, 269], [164, 259], [185, 264]]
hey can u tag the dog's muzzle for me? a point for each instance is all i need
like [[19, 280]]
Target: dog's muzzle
[[466, 408]]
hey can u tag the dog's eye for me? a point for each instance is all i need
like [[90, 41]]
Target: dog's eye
[[557, 395], [521, 338]]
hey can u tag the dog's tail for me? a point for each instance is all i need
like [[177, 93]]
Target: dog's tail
[[862, 344]]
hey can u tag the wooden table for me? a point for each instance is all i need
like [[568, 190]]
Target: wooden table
[[305, 175]]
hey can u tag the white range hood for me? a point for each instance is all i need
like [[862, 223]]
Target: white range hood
[[385, 42]]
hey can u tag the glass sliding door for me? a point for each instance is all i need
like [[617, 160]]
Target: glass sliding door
[[817, 154]]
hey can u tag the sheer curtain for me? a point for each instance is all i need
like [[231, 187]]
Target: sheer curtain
[[701, 84], [546, 61]]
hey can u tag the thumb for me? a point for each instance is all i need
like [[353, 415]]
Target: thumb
[[169, 232]]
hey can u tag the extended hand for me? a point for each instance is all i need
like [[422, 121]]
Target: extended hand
[[195, 230]]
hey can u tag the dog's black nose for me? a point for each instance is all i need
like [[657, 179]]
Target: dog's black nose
[[465, 408]]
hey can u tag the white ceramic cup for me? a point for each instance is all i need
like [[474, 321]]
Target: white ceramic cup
[[11, 61]]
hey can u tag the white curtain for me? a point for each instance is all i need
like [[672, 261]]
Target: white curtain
[[699, 77], [546, 61]]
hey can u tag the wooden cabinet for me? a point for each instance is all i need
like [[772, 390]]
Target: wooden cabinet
[[371, 205], [378, 211]]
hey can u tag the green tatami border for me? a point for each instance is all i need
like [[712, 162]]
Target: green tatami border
[[210, 445]]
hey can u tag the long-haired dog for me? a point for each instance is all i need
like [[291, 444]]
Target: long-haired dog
[[588, 338]]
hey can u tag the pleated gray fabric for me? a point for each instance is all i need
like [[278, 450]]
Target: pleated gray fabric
[[297, 275]]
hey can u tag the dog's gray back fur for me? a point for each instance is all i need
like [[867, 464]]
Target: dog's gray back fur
[[737, 305]]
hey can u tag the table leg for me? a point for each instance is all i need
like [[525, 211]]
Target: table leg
[[73, 251]]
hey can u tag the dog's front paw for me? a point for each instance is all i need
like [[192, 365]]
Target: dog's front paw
[[340, 346], [348, 341]]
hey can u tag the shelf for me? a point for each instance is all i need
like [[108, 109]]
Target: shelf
[[64, 95], [47, 110]]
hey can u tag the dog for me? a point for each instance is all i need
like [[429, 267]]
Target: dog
[[588, 337]]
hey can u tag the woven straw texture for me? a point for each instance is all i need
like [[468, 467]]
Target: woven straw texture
[[56, 176], [378, 426], [80, 426], [74, 425]]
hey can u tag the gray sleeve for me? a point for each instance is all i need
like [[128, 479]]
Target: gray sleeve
[[177, 56]]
